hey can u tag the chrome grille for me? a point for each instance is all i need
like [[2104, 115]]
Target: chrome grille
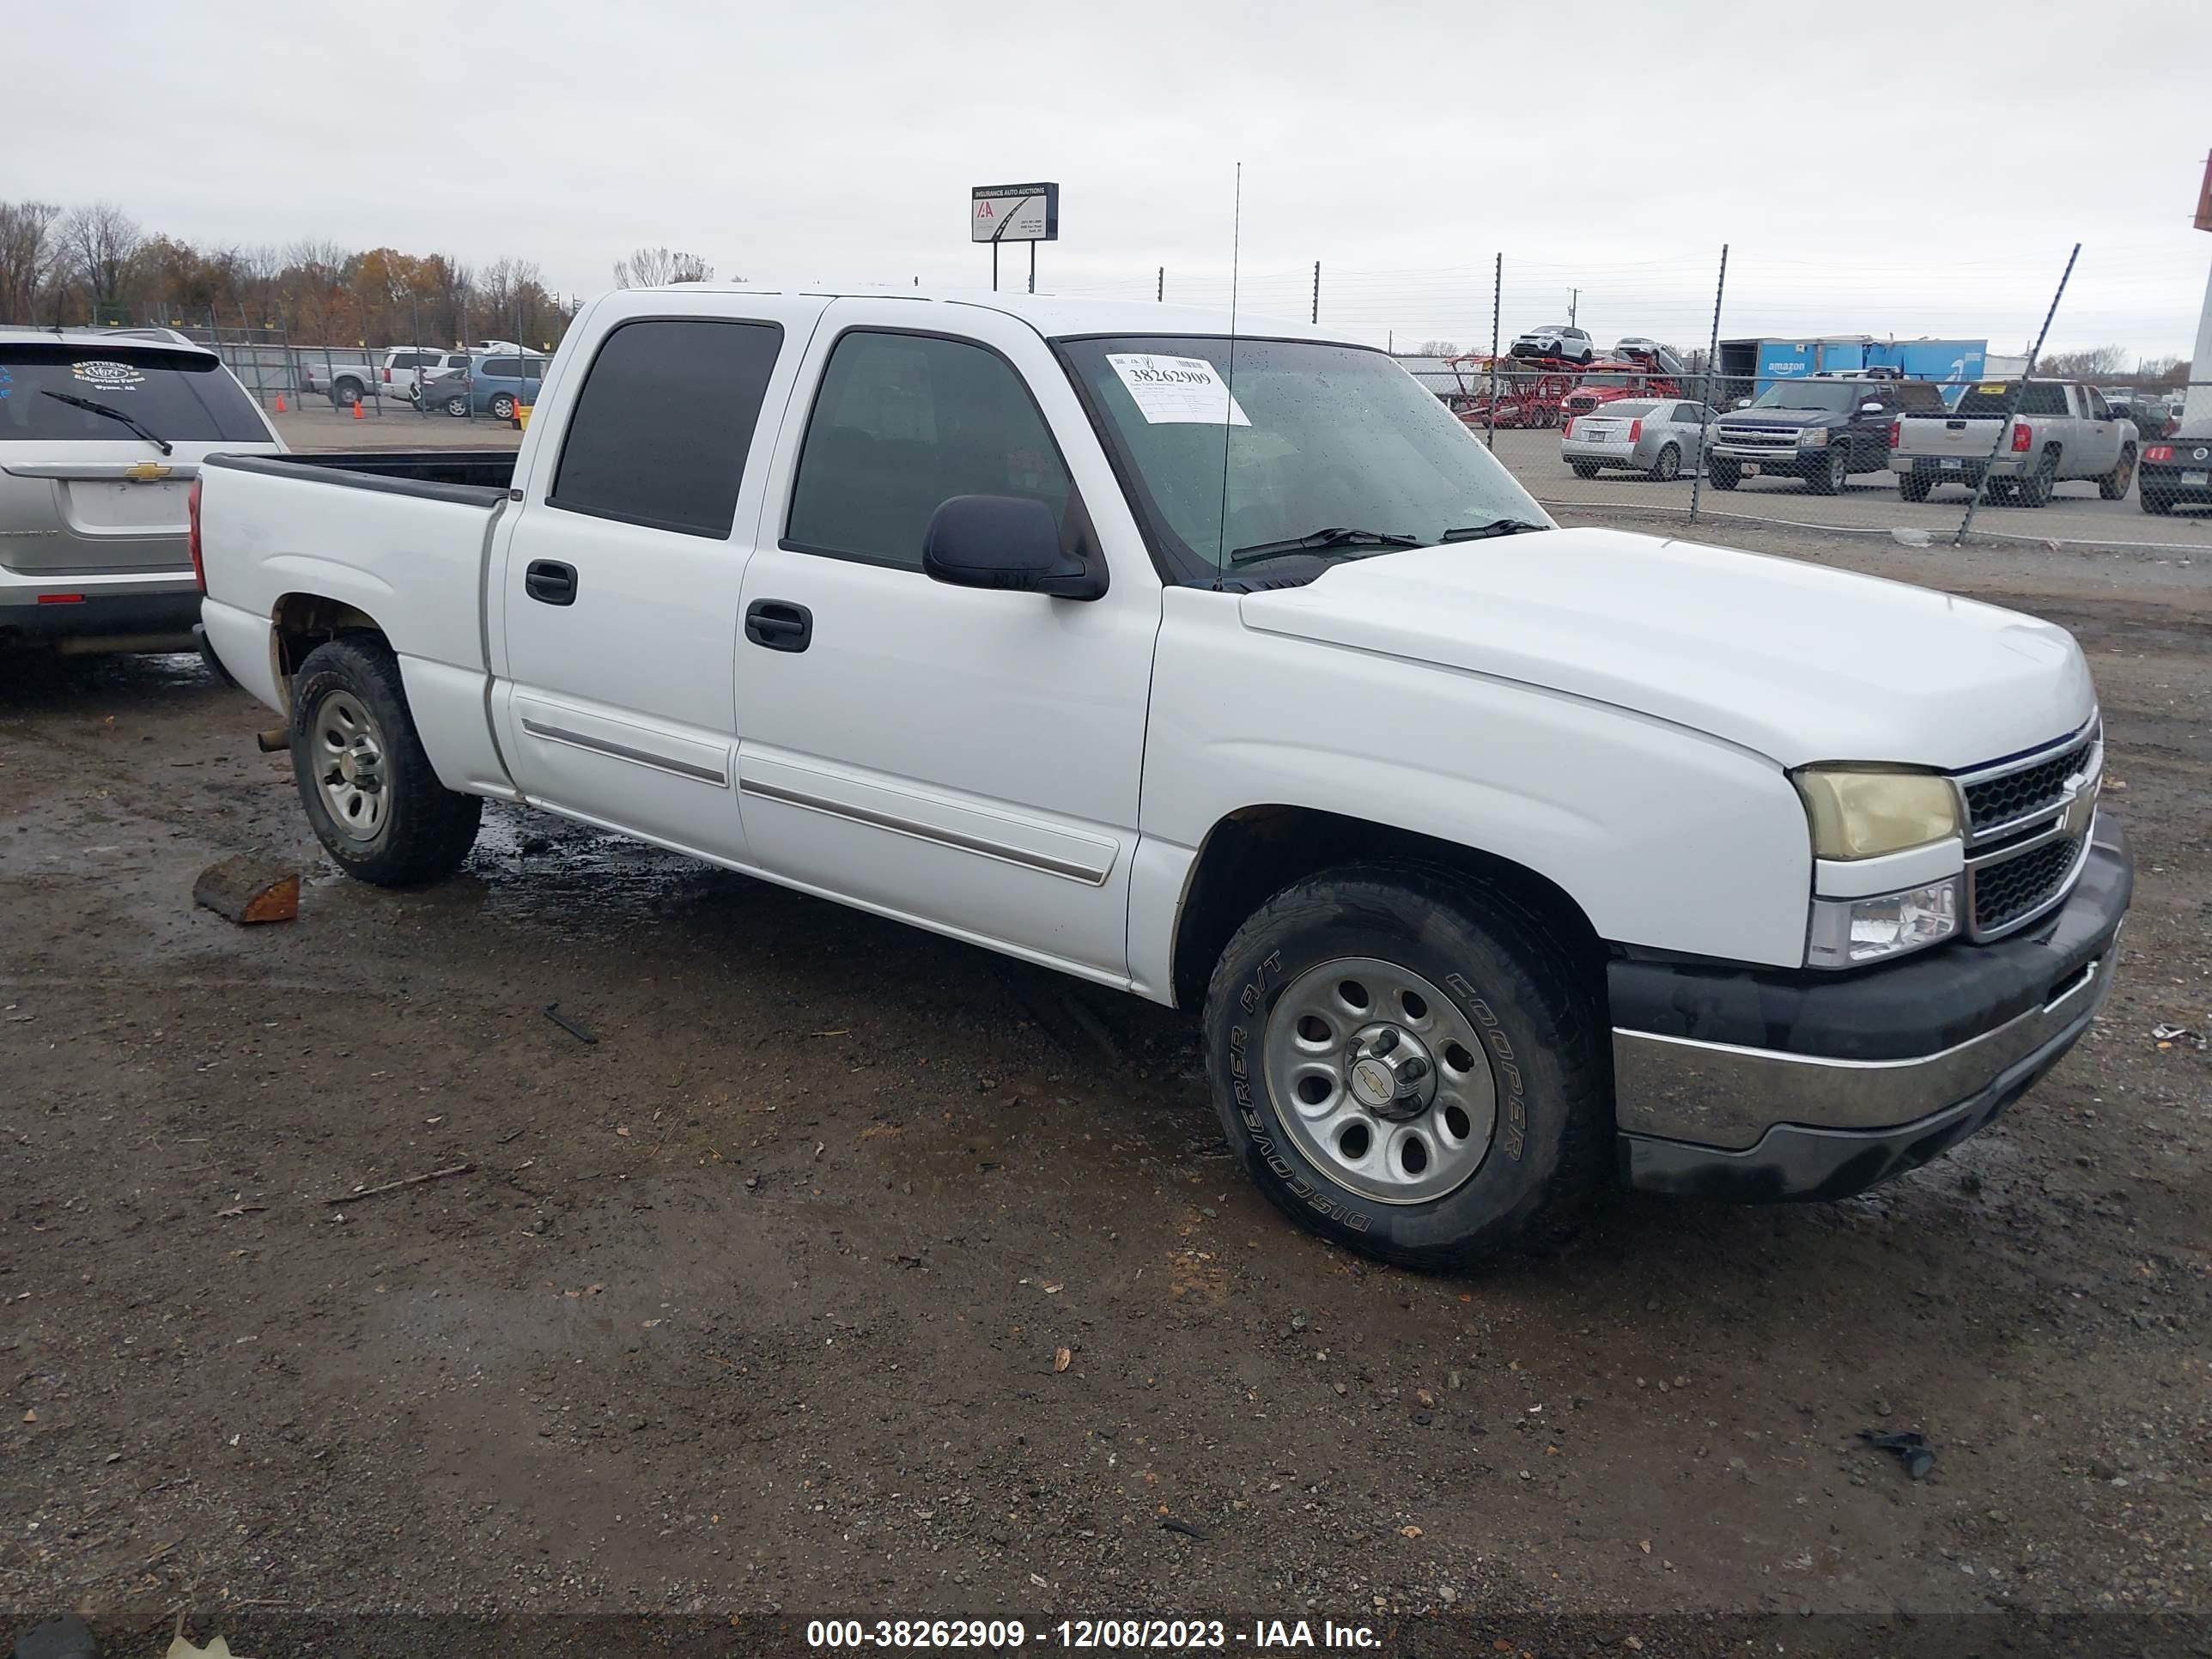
[[1759, 437], [2027, 832]]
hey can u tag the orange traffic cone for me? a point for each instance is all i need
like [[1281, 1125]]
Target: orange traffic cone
[[357, 415], [279, 402]]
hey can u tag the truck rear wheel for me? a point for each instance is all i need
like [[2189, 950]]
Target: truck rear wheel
[[2035, 489], [1408, 1063], [1915, 486], [375, 801]]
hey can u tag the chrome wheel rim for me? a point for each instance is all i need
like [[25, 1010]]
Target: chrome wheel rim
[[1380, 1080], [349, 766]]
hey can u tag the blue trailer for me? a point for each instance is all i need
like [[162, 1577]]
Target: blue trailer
[[1749, 367]]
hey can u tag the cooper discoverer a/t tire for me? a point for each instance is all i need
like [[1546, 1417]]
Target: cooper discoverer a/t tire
[[1408, 1060]]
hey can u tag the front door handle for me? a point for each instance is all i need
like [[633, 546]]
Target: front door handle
[[550, 582], [779, 624]]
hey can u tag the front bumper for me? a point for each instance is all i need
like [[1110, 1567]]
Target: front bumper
[[1778, 462], [1759, 1085]]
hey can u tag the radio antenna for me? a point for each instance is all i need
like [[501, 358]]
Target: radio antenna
[[1228, 394]]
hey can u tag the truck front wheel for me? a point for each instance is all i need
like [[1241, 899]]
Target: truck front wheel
[[1723, 474], [1407, 1060], [1832, 472], [375, 801]]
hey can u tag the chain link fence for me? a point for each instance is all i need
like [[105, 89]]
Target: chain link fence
[[1694, 390]]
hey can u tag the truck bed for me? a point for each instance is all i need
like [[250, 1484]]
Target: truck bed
[[402, 537], [478, 475]]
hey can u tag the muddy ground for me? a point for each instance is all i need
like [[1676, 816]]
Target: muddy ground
[[747, 1312]]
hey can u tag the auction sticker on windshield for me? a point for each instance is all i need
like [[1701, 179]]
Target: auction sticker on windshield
[[1177, 391]]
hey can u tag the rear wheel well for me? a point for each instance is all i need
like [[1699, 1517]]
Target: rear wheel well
[[301, 622], [1257, 851]]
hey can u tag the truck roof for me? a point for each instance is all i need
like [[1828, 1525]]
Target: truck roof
[[1051, 316]]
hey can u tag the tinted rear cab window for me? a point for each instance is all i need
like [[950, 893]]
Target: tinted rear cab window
[[664, 423], [1984, 402], [183, 398]]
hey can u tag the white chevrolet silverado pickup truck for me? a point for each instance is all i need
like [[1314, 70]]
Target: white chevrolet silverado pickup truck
[[1505, 862], [2058, 431]]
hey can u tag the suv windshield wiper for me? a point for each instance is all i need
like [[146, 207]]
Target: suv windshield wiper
[[162, 444], [1476, 532], [1336, 536]]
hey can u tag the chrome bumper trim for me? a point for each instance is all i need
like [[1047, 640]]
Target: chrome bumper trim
[[1719, 1095]]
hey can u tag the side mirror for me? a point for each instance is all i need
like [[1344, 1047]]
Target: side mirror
[[1870, 409], [1741, 402], [1010, 543]]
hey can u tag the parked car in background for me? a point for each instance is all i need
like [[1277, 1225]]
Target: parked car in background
[[405, 370], [1639, 349], [2151, 416], [2176, 473], [495, 385], [345, 374], [1760, 878], [1655, 436], [2060, 430], [1561, 340], [1608, 379], [100, 439], [1822, 429]]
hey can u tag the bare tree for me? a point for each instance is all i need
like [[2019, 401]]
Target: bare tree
[[27, 257], [99, 242], [2097, 363], [1439, 348], [658, 267]]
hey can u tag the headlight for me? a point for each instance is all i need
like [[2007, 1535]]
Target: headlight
[[1813, 437], [1848, 932], [1864, 811]]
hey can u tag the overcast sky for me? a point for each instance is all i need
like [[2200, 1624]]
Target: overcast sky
[[1923, 171]]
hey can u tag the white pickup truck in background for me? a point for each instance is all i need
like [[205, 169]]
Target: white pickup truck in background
[[2060, 431], [1503, 861]]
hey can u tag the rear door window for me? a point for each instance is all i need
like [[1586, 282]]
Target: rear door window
[[179, 397], [902, 423], [664, 421]]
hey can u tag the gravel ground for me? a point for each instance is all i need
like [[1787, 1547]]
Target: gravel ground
[[751, 1310]]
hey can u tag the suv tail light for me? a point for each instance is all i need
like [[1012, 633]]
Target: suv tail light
[[2023, 436], [1896, 432], [2158, 452], [193, 513], [1635, 431]]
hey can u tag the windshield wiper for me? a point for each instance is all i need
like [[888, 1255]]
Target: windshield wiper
[[1337, 535], [162, 444], [1477, 532]]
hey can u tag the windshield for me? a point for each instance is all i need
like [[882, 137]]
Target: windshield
[[1318, 437], [183, 405], [1833, 396]]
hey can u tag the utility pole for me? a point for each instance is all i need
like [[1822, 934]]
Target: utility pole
[[1574, 299]]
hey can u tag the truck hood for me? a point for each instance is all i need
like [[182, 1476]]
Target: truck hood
[[1794, 661], [1773, 414]]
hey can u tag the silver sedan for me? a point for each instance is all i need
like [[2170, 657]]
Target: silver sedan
[[1655, 436]]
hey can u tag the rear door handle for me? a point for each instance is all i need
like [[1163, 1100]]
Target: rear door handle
[[779, 624], [550, 582]]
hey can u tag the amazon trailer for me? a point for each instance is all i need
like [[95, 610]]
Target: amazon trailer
[[1749, 367], [1014, 213]]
